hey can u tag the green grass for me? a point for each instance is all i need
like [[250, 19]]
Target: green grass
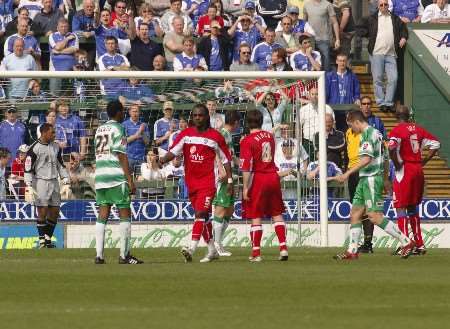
[[64, 289]]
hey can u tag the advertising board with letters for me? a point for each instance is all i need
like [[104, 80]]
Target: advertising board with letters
[[180, 210]]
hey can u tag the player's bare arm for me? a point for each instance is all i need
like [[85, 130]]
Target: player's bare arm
[[246, 176], [363, 161], [387, 182], [123, 159], [394, 157], [227, 167], [169, 156]]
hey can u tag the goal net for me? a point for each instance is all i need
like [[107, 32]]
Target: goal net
[[158, 107]]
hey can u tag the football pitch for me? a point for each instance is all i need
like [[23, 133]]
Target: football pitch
[[64, 289]]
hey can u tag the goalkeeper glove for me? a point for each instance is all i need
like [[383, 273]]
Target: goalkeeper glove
[[66, 181], [30, 194]]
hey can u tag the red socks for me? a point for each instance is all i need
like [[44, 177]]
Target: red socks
[[417, 232], [256, 236], [207, 232], [402, 223], [197, 229], [280, 230]]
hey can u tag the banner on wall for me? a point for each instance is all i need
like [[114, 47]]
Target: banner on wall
[[237, 235], [26, 237], [438, 43], [180, 210]]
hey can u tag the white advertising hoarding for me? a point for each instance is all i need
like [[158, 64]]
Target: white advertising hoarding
[[436, 235], [438, 43]]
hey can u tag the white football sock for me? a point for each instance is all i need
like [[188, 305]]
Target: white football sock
[[193, 245], [390, 228], [99, 238], [355, 236], [125, 235], [218, 224]]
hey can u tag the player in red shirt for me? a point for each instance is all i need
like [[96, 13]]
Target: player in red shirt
[[406, 141], [199, 145], [261, 185]]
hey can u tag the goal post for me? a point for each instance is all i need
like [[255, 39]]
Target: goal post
[[242, 77]]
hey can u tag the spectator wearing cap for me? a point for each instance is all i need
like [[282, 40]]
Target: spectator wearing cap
[[250, 10], [173, 42], [319, 14], [438, 12], [63, 45], [13, 133], [164, 127], [18, 61], [102, 31], [74, 130], [306, 59], [17, 172], [299, 26], [189, 60], [286, 38], [250, 33], [175, 11], [147, 16], [262, 53], [214, 48], [342, 85], [31, 44], [205, 22], [138, 138], [143, 50], [112, 61], [135, 92], [244, 63]]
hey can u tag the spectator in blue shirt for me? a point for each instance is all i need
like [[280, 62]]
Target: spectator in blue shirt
[[138, 137], [103, 31], [251, 33], [112, 61], [342, 85], [13, 133], [312, 173], [372, 120], [74, 130], [7, 10], [164, 127], [31, 44], [63, 45], [262, 53], [135, 92], [83, 24]]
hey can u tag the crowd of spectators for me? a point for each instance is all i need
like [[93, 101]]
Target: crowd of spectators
[[199, 36]]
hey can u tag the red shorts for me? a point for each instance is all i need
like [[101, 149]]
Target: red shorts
[[265, 197], [408, 185], [201, 199]]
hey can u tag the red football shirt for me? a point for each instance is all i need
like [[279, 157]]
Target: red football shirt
[[18, 167], [409, 139], [205, 21], [199, 150], [257, 152]]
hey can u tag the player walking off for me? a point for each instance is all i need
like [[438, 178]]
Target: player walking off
[[43, 166], [369, 191], [406, 141], [113, 182], [223, 202], [199, 145], [261, 185]]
